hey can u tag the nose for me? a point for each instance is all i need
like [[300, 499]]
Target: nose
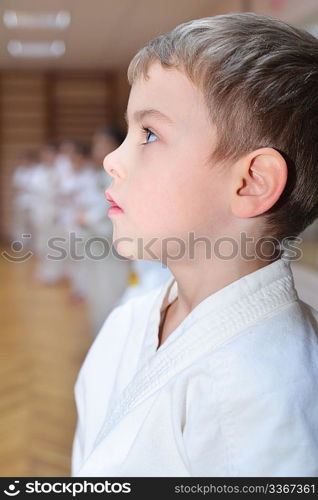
[[112, 164]]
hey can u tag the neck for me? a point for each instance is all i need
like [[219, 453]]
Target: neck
[[200, 279]]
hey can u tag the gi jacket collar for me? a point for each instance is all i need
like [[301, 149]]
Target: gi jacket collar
[[215, 321]]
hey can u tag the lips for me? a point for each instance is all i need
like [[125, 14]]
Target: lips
[[111, 200]]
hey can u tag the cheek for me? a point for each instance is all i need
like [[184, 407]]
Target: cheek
[[172, 210], [191, 194], [173, 197]]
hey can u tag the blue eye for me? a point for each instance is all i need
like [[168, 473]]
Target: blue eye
[[149, 133]]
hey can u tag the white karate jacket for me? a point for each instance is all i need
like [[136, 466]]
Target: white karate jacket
[[233, 391]]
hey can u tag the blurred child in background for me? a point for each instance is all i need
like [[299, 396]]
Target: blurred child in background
[[22, 205], [45, 181], [82, 183], [106, 273]]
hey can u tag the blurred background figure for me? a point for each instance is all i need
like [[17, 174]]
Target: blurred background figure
[[107, 273], [22, 204], [44, 187], [82, 182], [65, 202], [63, 161]]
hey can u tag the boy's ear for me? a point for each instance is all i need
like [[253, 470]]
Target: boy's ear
[[258, 180]]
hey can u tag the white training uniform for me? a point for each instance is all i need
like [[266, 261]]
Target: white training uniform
[[104, 273], [65, 212], [231, 392], [23, 202], [63, 165], [83, 191], [43, 214], [107, 273]]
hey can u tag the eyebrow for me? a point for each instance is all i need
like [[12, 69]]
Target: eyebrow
[[142, 113]]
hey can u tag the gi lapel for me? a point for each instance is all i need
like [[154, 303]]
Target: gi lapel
[[214, 329]]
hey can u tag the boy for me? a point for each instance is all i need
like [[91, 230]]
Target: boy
[[222, 142]]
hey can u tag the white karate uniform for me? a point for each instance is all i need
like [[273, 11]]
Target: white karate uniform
[[63, 209], [83, 186], [45, 182], [231, 392], [63, 166], [106, 275], [23, 202]]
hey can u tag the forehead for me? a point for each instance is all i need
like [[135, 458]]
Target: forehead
[[168, 90]]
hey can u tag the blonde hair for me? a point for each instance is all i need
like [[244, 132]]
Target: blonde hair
[[259, 78]]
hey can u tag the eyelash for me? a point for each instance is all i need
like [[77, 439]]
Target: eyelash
[[147, 130]]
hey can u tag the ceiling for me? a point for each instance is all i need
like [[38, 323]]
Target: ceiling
[[105, 34], [102, 33]]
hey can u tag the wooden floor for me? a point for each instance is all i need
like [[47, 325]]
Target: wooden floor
[[44, 339]]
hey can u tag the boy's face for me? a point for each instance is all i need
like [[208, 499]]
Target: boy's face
[[162, 179]]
